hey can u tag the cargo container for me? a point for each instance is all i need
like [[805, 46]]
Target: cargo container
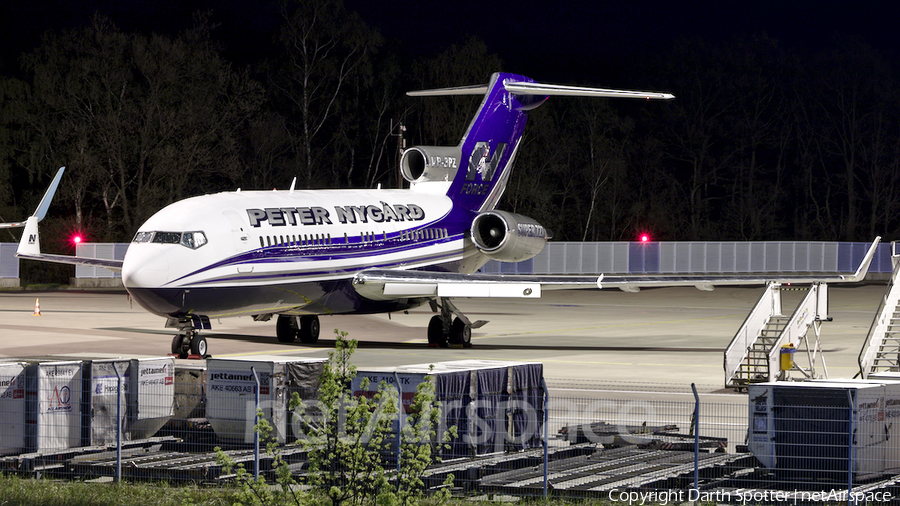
[[826, 428], [53, 396], [151, 397], [494, 405], [100, 424], [231, 394], [12, 408], [190, 389]]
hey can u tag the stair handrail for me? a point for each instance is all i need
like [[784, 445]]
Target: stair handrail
[[879, 326], [797, 326], [748, 333]]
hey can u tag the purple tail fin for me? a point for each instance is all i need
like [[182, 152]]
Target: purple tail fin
[[479, 167]]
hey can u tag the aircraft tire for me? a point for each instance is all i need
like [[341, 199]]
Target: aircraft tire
[[460, 333], [309, 329], [178, 345], [436, 335], [286, 328], [198, 345]]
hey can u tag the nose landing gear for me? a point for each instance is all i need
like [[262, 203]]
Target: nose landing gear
[[188, 341], [188, 344]]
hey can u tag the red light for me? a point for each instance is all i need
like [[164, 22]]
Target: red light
[[74, 237], [645, 238]]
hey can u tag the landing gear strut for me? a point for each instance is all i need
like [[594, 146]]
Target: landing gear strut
[[189, 341], [450, 327], [288, 328]]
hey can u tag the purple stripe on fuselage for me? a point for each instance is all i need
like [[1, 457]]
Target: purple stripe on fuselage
[[333, 254]]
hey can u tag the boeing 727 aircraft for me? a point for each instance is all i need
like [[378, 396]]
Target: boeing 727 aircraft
[[298, 254]]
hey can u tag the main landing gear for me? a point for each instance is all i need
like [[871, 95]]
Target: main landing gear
[[450, 327], [289, 328], [188, 341]]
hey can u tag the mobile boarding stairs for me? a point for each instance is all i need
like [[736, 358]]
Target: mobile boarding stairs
[[754, 355], [880, 355]]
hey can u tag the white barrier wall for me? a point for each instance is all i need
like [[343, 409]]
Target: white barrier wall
[[106, 251], [608, 258], [696, 258]]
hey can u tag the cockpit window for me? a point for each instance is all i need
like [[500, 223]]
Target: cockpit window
[[167, 237], [142, 237], [192, 240]]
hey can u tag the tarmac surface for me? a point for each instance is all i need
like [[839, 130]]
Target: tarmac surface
[[658, 340]]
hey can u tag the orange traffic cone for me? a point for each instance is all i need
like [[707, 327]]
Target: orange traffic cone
[[37, 308]]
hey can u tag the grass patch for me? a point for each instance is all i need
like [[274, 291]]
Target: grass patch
[[43, 492]]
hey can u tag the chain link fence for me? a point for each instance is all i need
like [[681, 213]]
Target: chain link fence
[[160, 419]]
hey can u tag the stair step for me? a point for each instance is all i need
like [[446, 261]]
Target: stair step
[[887, 356]]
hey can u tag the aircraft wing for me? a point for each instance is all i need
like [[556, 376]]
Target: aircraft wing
[[30, 244], [113, 265], [387, 284]]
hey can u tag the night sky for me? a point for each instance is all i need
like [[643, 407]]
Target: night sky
[[552, 41]]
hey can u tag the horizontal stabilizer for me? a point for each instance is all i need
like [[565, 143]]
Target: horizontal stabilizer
[[478, 89], [525, 88], [539, 89]]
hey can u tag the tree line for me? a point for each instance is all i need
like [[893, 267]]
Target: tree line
[[761, 142]]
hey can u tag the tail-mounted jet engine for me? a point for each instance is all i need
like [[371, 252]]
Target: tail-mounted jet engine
[[508, 237], [429, 163]]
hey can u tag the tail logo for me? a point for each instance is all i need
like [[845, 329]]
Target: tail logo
[[32, 238], [483, 163]]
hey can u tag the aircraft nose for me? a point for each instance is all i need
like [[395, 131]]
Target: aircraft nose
[[145, 273], [144, 267]]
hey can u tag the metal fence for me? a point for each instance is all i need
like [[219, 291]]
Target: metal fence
[[608, 258], [106, 251], [159, 419], [696, 257]]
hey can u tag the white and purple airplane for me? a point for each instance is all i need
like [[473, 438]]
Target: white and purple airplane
[[298, 254]]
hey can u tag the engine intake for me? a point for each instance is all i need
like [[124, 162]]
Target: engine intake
[[508, 237], [429, 163]]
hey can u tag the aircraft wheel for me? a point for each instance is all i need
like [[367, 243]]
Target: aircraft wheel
[[460, 333], [178, 346], [436, 335], [198, 345], [309, 329], [286, 328]]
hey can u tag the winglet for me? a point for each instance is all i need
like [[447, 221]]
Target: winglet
[[48, 196], [864, 265], [41, 211], [30, 244]]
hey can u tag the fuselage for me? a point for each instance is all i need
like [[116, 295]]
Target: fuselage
[[291, 252], [296, 252]]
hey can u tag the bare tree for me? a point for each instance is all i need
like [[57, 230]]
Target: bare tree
[[143, 121], [326, 47], [443, 120]]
